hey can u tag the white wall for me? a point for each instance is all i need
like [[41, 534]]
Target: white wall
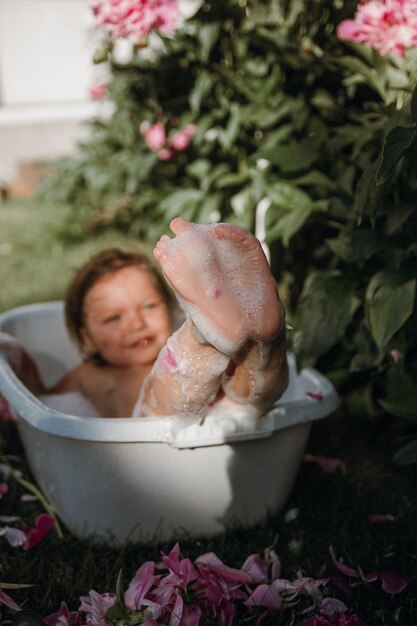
[[46, 69]]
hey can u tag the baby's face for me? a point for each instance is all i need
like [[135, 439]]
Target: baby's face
[[126, 319]]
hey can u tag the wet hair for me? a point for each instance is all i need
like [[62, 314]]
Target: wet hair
[[103, 264]]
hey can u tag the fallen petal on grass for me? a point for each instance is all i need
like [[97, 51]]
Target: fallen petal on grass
[[326, 464]]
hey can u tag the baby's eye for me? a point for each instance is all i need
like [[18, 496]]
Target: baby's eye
[[112, 318], [150, 305]]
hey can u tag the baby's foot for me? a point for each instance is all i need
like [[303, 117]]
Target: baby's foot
[[223, 281]]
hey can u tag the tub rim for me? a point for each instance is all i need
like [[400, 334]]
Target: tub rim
[[165, 429]]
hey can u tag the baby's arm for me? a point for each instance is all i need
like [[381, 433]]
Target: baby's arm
[[22, 363]]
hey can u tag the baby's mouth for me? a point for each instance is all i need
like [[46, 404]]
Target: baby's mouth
[[142, 343]]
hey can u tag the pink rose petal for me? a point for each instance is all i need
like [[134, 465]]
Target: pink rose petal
[[8, 601], [266, 596], [391, 582], [326, 464], [344, 569], [377, 518], [44, 525]]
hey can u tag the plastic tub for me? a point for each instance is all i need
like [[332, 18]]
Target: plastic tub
[[152, 478]]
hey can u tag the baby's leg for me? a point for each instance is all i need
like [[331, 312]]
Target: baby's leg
[[258, 375], [223, 280], [185, 378]]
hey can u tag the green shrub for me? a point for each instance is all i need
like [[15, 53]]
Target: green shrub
[[299, 136]]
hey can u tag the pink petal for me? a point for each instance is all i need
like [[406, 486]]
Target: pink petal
[[5, 470], [14, 536], [344, 569], [326, 464], [332, 606], [44, 525], [28, 497], [391, 582], [256, 568], [9, 519], [139, 586], [7, 601], [314, 395], [266, 596], [3, 489], [165, 154], [381, 519], [223, 571]]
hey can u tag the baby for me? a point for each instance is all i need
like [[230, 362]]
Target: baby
[[229, 351]]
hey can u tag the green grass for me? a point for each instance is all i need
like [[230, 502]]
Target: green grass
[[333, 508], [36, 264]]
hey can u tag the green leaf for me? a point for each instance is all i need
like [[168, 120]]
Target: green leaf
[[365, 190], [326, 307], [199, 168], [207, 35], [290, 209], [289, 224], [402, 405], [242, 202], [210, 209], [119, 587], [388, 306], [292, 157], [397, 141], [288, 196], [202, 87], [181, 202], [358, 245], [407, 455], [228, 136], [413, 105], [314, 178], [231, 180]]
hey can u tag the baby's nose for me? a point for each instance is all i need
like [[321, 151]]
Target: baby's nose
[[137, 319]]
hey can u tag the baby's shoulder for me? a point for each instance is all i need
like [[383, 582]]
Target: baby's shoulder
[[74, 379]]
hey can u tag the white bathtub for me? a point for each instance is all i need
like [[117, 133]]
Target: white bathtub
[[153, 478]]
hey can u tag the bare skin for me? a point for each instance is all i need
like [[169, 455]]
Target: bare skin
[[229, 351], [112, 390], [233, 340], [221, 274]]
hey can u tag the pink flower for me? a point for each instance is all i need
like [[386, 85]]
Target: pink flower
[[64, 617], [155, 137], [34, 536], [5, 413], [326, 464], [139, 586], [8, 601], [96, 606], [134, 19], [97, 92], [386, 25], [165, 154], [314, 395], [182, 139], [14, 536], [338, 619], [266, 596], [396, 355], [391, 582], [377, 518]]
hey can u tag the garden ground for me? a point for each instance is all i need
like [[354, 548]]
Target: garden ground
[[325, 509]]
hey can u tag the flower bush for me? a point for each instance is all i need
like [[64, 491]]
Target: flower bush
[[304, 119]]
